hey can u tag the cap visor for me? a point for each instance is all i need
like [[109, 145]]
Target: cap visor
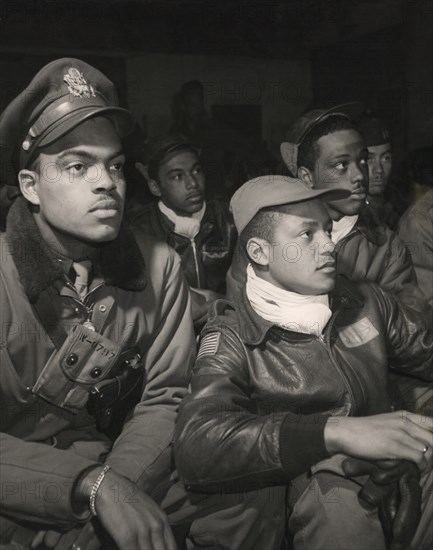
[[121, 118], [307, 195], [332, 194], [167, 152]]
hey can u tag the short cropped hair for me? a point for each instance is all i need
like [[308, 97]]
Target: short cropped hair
[[263, 224], [309, 150]]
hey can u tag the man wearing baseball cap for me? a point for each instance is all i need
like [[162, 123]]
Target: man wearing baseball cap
[[94, 325], [289, 389], [202, 232], [325, 149]]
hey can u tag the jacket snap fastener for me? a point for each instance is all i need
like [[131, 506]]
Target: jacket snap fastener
[[102, 308], [72, 359], [94, 373]]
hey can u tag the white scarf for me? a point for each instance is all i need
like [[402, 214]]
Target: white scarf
[[188, 226], [343, 227], [292, 311]]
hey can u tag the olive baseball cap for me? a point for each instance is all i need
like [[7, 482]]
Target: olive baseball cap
[[62, 95], [305, 123], [272, 190], [159, 147], [374, 131]]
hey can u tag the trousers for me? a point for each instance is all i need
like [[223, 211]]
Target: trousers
[[319, 510]]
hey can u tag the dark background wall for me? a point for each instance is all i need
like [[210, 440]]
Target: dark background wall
[[277, 56]]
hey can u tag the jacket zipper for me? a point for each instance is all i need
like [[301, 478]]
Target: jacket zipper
[[194, 251], [323, 338]]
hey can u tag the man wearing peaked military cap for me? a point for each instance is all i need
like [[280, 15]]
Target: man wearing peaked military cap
[[62, 95], [90, 328]]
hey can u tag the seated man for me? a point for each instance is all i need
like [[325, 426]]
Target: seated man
[[202, 233], [324, 149], [378, 141], [290, 387], [92, 321]]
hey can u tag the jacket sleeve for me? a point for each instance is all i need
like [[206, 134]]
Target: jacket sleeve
[[398, 270], [398, 276], [416, 231], [222, 442], [409, 337], [236, 275], [37, 482], [142, 452]]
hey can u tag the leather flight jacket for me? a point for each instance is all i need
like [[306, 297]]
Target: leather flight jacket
[[261, 395], [206, 258]]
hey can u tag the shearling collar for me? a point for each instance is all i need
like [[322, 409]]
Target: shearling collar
[[121, 262]]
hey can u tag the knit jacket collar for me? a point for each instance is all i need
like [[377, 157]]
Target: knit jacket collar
[[121, 262], [168, 225], [371, 227]]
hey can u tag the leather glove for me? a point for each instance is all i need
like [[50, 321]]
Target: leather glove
[[393, 487]]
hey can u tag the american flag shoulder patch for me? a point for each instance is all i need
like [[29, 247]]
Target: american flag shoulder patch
[[209, 344]]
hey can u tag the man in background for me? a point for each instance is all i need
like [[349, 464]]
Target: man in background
[[377, 139], [325, 149], [202, 232]]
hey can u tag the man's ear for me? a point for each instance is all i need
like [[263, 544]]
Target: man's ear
[[153, 186], [28, 180], [142, 169], [305, 175], [259, 251]]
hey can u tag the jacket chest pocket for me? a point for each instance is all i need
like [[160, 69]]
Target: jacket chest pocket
[[84, 358]]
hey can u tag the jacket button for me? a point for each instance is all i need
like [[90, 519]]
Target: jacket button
[[94, 373], [103, 308], [72, 359]]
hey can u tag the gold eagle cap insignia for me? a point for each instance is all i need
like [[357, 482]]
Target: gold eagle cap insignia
[[77, 84]]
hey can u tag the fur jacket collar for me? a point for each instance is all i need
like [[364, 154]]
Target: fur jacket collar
[[121, 262]]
